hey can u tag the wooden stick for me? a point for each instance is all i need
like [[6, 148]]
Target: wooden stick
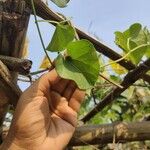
[[104, 134]]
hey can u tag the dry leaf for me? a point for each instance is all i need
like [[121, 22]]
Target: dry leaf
[[117, 68], [45, 63], [25, 51]]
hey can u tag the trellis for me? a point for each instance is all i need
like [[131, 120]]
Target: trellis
[[88, 134]]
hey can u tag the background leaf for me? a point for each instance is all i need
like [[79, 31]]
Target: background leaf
[[25, 50], [117, 68], [62, 36], [45, 63], [60, 3], [134, 38], [81, 64], [121, 40]]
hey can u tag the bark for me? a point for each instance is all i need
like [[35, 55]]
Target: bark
[[109, 133], [14, 18], [9, 88], [14, 23]]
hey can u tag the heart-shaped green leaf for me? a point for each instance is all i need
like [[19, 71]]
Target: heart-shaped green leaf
[[81, 64], [62, 36], [60, 3]]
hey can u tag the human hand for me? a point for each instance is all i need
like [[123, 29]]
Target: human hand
[[46, 115]]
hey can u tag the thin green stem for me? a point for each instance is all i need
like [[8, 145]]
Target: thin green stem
[[76, 34], [39, 71], [134, 49], [39, 32]]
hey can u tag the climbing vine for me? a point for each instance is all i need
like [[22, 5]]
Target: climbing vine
[[79, 61]]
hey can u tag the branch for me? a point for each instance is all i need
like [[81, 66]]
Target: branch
[[7, 85], [104, 134], [14, 18], [46, 13], [129, 79], [22, 66]]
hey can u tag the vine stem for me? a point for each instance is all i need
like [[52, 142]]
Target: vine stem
[[134, 49], [39, 71], [105, 78], [39, 32]]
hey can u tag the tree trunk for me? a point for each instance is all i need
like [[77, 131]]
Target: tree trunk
[[14, 18]]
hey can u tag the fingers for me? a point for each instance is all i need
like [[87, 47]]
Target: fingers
[[60, 108], [57, 100], [41, 87], [60, 86], [69, 90], [76, 99], [51, 76], [48, 79]]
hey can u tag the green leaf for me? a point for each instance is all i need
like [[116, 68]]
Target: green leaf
[[136, 55], [116, 108], [147, 33], [115, 78], [137, 35], [60, 3], [117, 68], [133, 39], [135, 29], [62, 36], [148, 51], [81, 64], [121, 40]]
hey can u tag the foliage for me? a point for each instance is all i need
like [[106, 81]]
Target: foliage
[[80, 64], [77, 60], [62, 36], [61, 3], [130, 106], [117, 68], [135, 41]]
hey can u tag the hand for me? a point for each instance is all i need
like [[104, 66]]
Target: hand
[[46, 115]]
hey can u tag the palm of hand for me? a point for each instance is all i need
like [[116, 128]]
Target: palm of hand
[[46, 115]]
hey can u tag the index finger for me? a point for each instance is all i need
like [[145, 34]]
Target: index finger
[[45, 82], [77, 99]]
